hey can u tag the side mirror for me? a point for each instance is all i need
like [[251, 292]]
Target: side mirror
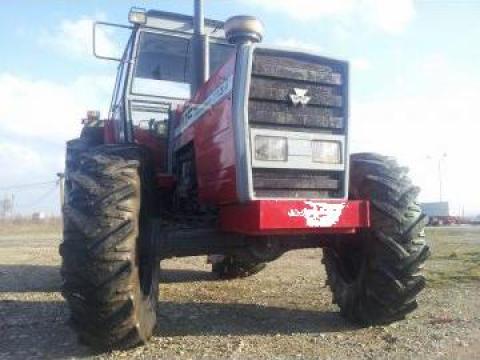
[[101, 32]]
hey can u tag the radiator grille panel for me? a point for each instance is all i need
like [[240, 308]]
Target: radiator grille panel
[[278, 90], [275, 76], [281, 113], [286, 67]]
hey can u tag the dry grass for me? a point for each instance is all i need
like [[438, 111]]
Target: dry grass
[[455, 256], [23, 226]]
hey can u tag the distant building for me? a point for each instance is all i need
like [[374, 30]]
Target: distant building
[[439, 213], [435, 209]]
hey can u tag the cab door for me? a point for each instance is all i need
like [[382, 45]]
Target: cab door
[[118, 107], [158, 84]]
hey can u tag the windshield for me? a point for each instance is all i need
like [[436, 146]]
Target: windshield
[[164, 62]]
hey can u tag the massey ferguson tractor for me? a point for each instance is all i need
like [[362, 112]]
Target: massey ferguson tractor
[[216, 145]]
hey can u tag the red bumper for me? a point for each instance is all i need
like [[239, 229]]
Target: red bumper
[[264, 217]]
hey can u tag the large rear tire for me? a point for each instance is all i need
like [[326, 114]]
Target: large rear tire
[[374, 276], [109, 266]]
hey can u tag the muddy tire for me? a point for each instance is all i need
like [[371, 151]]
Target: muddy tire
[[109, 269], [231, 267], [374, 276]]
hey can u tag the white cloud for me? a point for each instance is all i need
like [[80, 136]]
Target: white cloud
[[297, 44], [434, 115], [360, 64], [75, 38], [390, 16], [14, 154], [47, 110], [307, 9], [36, 118]]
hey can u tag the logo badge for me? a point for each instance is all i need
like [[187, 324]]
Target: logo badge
[[299, 97]]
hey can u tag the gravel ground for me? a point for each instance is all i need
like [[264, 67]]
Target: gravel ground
[[284, 312]]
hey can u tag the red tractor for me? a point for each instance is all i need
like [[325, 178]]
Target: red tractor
[[241, 165]]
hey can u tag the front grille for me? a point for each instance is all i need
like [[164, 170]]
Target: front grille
[[281, 114], [275, 76], [296, 183]]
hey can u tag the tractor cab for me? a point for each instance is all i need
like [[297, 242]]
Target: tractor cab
[[155, 72], [287, 112]]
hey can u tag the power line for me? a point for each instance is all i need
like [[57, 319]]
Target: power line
[[22, 186], [39, 199]]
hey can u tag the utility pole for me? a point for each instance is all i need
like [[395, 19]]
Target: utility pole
[[60, 182], [440, 177], [440, 174]]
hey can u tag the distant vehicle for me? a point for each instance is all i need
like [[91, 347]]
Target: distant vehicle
[[439, 213], [473, 220], [38, 216]]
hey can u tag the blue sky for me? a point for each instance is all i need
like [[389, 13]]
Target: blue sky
[[415, 81]]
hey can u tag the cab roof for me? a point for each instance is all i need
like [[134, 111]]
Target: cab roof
[[182, 23]]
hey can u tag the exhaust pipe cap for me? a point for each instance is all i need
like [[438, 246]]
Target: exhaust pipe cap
[[243, 28]]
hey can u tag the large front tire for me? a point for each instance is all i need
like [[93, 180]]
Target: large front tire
[[109, 267], [374, 276]]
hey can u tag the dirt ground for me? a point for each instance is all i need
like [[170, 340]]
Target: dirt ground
[[284, 312]]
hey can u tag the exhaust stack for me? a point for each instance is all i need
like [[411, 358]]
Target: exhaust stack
[[201, 60]]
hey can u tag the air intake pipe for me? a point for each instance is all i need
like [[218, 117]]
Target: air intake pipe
[[244, 32], [243, 29]]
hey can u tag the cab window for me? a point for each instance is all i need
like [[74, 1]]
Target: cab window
[[164, 63], [162, 68]]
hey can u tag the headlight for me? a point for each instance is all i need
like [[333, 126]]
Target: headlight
[[271, 148], [329, 152]]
